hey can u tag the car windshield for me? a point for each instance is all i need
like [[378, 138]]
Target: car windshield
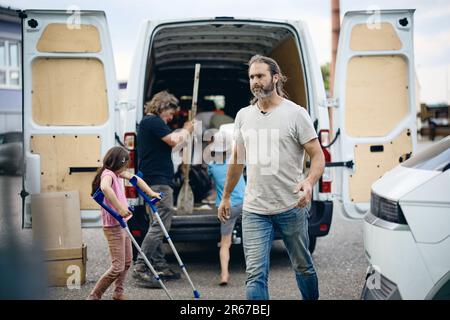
[[435, 158]]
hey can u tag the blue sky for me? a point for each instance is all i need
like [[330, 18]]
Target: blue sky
[[432, 26]]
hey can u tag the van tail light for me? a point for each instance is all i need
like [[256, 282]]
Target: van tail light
[[130, 143], [326, 179]]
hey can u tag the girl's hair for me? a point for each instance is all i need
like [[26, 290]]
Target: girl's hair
[[115, 159], [274, 69], [161, 101]]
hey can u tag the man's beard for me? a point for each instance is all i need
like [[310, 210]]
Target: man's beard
[[264, 92]]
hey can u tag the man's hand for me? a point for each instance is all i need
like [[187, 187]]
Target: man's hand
[[189, 126], [304, 189], [224, 213]]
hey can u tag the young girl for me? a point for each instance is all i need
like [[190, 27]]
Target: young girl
[[109, 179]]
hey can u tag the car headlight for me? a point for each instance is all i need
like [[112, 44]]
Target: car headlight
[[386, 209]]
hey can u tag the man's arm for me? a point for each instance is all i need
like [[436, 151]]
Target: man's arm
[[175, 138], [315, 171]]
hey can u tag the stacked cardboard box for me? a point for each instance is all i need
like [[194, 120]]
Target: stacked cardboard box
[[56, 224]]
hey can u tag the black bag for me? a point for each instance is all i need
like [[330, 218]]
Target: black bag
[[199, 181]]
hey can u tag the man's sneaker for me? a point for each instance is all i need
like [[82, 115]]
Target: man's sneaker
[[145, 279], [167, 273]]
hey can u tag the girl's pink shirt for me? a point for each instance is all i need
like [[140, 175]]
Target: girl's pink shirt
[[119, 191]]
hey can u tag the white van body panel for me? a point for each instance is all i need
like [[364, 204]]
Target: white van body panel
[[378, 161], [105, 131]]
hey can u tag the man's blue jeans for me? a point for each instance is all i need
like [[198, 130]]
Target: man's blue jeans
[[258, 233]]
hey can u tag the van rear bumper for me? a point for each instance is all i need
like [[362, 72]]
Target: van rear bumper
[[206, 227]]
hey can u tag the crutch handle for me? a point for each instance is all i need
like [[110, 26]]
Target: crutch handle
[[151, 202], [99, 197]]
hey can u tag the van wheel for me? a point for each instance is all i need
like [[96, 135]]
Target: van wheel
[[312, 243]]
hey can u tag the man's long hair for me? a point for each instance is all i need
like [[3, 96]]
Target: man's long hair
[[161, 101], [274, 69]]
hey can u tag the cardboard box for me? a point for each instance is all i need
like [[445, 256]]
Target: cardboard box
[[56, 220], [66, 267]]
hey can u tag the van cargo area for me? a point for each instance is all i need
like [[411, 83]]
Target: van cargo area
[[223, 47]]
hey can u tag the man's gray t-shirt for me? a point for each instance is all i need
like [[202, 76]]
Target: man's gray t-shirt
[[274, 155]]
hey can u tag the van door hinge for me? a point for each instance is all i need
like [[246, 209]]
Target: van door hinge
[[329, 103], [332, 103]]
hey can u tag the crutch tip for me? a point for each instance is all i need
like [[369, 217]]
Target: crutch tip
[[196, 294]]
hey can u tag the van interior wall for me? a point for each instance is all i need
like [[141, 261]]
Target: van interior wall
[[230, 80], [227, 78], [288, 57]]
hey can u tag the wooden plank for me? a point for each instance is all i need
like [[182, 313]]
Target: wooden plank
[[370, 166], [382, 37], [59, 153], [287, 56], [58, 37], [376, 95], [69, 92]]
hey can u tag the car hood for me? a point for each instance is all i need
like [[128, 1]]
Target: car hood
[[400, 181]]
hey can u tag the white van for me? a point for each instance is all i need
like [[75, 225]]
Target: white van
[[72, 115]]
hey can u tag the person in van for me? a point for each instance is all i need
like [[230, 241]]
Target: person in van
[[155, 143], [276, 195], [109, 180], [217, 169]]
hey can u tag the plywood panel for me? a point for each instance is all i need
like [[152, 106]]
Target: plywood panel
[[60, 152], [59, 37], [376, 95], [69, 92], [287, 57], [370, 166], [368, 37]]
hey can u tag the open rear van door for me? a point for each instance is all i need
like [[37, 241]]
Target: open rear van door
[[70, 92], [376, 101]]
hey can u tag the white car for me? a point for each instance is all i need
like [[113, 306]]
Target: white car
[[407, 230]]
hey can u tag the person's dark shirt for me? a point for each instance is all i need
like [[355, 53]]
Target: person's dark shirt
[[155, 156]]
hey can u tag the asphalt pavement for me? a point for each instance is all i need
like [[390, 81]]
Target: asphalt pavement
[[338, 258]]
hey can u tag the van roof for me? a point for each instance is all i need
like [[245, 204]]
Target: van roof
[[216, 40]]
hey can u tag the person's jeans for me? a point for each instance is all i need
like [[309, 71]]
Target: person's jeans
[[152, 245], [258, 233], [121, 254]]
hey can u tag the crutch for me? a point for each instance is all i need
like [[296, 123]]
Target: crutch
[[98, 196], [152, 205]]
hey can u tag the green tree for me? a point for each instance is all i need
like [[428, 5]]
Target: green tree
[[326, 75]]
